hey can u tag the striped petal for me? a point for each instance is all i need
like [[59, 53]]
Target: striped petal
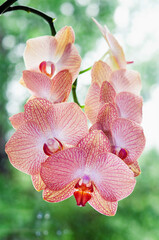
[[92, 103], [112, 177], [38, 182], [107, 114], [64, 36], [128, 135], [94, 143], [107, 93], [61, 87], [17, 120], [35, 110], [126, 81], [129, 106], [62, 168], [25, 148], [38, 83], [58, 196], [70, 60], [68, 122], [100, 72], [101, 205]]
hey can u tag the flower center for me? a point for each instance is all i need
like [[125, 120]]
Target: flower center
[[52, 146], [120, 152], [47, 67], [83, 190]]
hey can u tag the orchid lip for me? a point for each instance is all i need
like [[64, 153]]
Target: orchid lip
[[47, 68], [83, 191], [52, 146], [120, 152]]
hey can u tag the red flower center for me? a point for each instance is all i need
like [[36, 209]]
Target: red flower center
[[120, 152], [47, 67], [52, 146], [83, 190]]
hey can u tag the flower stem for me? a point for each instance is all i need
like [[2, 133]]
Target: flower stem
[[75, 99], [6, 5], [87, 69], [32, 10]]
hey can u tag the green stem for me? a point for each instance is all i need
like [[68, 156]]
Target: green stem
[[83, 71], [39, 13], [6, 5], [74, 86]]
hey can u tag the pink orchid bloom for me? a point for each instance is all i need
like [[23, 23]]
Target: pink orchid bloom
[[126, 137], [90, 173], [43, 130], [120, 88], [50, 55], [56, 90], [116, 58]]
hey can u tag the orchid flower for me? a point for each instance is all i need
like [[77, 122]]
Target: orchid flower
[[50, 55], [90, 173], [116, 58], [56, 90], [126, 137], [43, 130], [120, 88]]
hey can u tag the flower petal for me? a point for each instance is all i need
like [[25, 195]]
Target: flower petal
[[38, 50], [58, 196], [68, 122], [128, 135], [70, 60], [126, 81], [112, 177], [130, 106], [94, 143], [115, 48], [38, 182], [135, 168], [107, 114], [101, 205], [38, 83], [107, 93], [61, 87], [35, 110], [100, 72], [63, 167], [64, 36], [92, 103], [25, 148], [17, 120]]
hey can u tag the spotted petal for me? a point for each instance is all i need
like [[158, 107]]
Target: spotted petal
[[17, 120], [38, 182]]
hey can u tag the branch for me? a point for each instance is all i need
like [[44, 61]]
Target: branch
[[39, 13], [6, 5]]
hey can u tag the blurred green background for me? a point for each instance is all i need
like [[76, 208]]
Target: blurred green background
[[23, 213]]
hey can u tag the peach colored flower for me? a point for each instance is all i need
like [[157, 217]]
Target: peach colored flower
[[42, 130], [116, 58], [120, 88], [50, 55], [90, 173]]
